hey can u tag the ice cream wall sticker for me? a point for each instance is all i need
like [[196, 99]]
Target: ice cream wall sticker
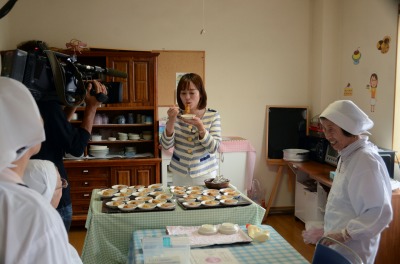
[[356, 56], [372, 86]]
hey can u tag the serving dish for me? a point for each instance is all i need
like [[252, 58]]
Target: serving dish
[[127, 207]]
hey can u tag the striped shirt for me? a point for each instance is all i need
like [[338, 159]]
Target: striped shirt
[[193, 156]]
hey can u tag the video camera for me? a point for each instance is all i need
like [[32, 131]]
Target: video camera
[[51, 75]]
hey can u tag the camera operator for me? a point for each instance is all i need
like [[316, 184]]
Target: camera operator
[[61, 136]]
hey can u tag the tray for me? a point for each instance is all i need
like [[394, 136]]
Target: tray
[[107, 210], [241, 202]]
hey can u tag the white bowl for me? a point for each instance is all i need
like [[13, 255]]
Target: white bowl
[[228, 228], [96, 137], [98, 147], [207, 230], [112, 138], [147, 206], [127, 207], [98, 154]]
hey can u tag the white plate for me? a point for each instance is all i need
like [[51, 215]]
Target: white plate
[[193, 188], [180, 188], [210, 203], [144, 198], [229, 201], [196, 192], [107, 193], [127, 207], [120, 198], [223, 197], [156, 186], [135, 202], [235, 194], [179, 193], [205, 198], [156, 193], [166, 206], [164, 196], [188, 116], [192, 204], [119, 187], [227, 190], [114, 204], [122, 194], [212, 192], [158, 201], [140, 194], [147, 206]]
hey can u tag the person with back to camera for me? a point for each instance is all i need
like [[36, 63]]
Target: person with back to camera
[[61, 136], [31, 230], [196, 140], [43, 177], [359, 207]]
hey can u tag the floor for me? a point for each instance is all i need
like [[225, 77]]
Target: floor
[[286, 225]]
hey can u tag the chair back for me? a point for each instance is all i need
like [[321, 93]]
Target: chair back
[[338, 254]]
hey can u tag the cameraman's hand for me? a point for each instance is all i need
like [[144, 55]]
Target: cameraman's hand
[[90, 100]]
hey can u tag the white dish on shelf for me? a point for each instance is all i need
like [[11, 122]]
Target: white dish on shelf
[[188, 116], [112, 139], [98, 147]]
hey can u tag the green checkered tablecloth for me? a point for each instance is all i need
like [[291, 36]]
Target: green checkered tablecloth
[[108, 235]]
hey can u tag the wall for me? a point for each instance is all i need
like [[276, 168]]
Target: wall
[[258, 53]]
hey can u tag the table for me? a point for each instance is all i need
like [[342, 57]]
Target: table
[[108, 235], [274, 250]]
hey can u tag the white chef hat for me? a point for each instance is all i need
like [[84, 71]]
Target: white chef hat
[[348, 116], [21, 125], [41, 176]]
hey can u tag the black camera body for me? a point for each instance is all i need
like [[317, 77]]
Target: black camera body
[[51, 75]]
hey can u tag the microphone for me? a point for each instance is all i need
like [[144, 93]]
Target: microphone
[[106, 71]]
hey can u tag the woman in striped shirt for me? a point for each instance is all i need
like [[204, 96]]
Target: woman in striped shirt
[[195, 136]]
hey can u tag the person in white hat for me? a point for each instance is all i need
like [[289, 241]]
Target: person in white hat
[[359, 202], [31, 229]]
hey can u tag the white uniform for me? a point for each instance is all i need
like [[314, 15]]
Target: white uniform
[[34, 230], [360, 198]]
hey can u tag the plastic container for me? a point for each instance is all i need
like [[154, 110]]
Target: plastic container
[[166, 249]]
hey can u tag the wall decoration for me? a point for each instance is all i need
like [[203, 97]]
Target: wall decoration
[[348, 91], [356, 56], [383, 44], [372, 86]]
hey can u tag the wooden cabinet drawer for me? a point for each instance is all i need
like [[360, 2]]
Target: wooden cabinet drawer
[[80, 173], [80, 207], [89, 182], [81, 195]]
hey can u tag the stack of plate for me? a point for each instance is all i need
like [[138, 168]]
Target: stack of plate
[[98, 151]]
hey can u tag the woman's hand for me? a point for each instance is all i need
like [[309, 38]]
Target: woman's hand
[[173, 113]]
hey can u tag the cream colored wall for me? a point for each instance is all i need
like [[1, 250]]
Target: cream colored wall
[[258, 53]]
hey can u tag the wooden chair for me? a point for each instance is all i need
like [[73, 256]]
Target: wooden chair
[[341, 254]]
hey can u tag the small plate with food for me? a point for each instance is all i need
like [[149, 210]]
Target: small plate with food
[[120, 198], [212, 192], [120, 194], [144, 189], [192, 204], [127, 207], [191, 196], [114, 204], [165, 196], [227, 190], [210, 203], [147, 206], [235, 194], [166, 206], [158, 201], [144, 198], [135, 202], [107, 193], [229, 201], [140, 194], [156, 193], [179, 193], [195, 188], [156, 186], [180, 188], [196, 192], [205, 197], [119, 186], [224, 197]]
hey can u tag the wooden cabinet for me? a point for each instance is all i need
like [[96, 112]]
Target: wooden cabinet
[[139, 110]]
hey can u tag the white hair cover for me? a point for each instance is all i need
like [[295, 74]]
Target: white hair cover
[[21, 125]]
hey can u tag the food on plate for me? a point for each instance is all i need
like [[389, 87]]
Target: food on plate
[[148, 190], [147, 206], [229, 201], [192, 204], [233, 193], [210, 202], [156, 186], [135, 202], [127, 207], [180, 188], [165, 196], [106, 193], [158, 201], [143, 198], [120, 194], [179, 192], [166, 205], [224, 197], [119, 187], [227, 190], [197, 192], [212, 192], [114, 204], [140, 194], [156, 193], [205, 197], [121, 198], [199, 188], [191, 196]]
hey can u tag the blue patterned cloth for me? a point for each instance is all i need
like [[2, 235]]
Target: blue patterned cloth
[[275, 250]]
